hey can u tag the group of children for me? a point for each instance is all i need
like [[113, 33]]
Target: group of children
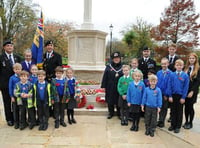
[[165, 86], [31, 93]]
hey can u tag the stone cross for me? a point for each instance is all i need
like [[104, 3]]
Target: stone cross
[[87, 19]]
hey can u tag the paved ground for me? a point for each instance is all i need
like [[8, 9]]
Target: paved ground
[[98, 132]]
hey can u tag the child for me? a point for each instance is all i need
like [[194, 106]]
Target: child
[[33, 77], [122, 87], [134, 98], [17, 68], [23, 92], [152, 99], [73, 92], [59, 87], [150, 72], [178, 88], [193, 71], [163, 79], [28, 62], [134, 65], [42, 99]]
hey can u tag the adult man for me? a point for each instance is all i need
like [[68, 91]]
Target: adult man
[[146, 63], [172, 57], [51, 60], [7, 59]]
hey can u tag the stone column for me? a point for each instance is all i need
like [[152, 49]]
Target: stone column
[[87, 19]]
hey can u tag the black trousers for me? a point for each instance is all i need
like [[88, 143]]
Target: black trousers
[[189, 110], [15, 108], [22, 113], [150, 118], [177, 111], [163, 111], [7, 104], [32, 115], [111, 110], [43, 113], [59, 111]]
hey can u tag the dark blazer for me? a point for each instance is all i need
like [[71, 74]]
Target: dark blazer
[[49, 65], [194, 86], [171, 65], [6, 69], [25, 67], [146, 66]]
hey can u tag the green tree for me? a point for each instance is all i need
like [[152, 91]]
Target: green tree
[[16, 16], [138, 36]]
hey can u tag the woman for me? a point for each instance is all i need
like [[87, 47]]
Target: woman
[[192, 68], [110, 79]]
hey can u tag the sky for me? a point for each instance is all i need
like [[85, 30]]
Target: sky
[[119, 13]]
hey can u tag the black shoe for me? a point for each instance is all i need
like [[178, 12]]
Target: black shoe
[[136, 128], [40, 127], [73, 121], [147, 132], [56, 124], [10, 123], [126, 122], [160, 124], [45, 127], [22, 127], [16, 126], [122, 122], [109, 116], [152, 134], [170, 128], [186, 125], [132, 128], [177, 130], [191, 125], [63, 124], [69, 121], [31, 126]]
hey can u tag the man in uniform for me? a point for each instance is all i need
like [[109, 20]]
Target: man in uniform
[[146, 63], [51, 60], [7, 59]]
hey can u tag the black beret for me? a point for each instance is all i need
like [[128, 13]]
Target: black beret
[[7, 42], [48, 42], [145, 48], [115, 55]]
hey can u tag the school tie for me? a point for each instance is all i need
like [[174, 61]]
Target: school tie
[[178, 73], [29, 65], [48, 55], [10, 59], [171, 60], [145, 60], [189, 71]]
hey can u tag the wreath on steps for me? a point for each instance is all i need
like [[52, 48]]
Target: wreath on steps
[[83, 101]]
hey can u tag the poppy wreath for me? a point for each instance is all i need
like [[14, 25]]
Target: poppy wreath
[[82, 102], [100, 96]]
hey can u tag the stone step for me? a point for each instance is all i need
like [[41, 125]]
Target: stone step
[[97, 111], [91, 100]]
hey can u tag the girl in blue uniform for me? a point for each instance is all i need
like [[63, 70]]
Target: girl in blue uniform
[[74, 93]]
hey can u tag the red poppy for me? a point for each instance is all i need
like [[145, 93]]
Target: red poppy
[[57, 84], [180, 78]]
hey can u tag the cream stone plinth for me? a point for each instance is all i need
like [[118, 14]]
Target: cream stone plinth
[[86, 50]]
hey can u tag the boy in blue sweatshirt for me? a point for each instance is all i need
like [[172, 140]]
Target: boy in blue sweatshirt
[[14, 79], [163, 80], [152, 100], [42, 97], [178, 88], [59, 85]]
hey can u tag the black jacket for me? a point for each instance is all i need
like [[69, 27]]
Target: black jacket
[[146, 66], [171, 65], [49, 65], [109, 82], [6, 69]]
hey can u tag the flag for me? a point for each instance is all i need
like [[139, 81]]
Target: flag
[[38, 41]]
